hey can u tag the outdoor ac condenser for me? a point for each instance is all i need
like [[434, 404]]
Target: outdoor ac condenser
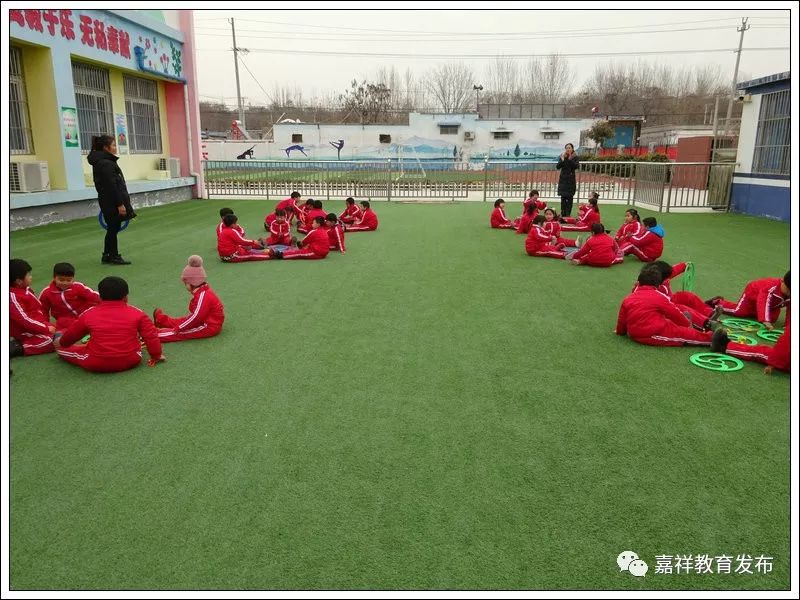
[[29, 176], [469, 135], [173, 166]]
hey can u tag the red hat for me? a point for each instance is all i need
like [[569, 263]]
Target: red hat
[[194, 273]]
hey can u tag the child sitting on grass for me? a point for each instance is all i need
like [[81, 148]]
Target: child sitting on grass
[[206, 312], [600, 250], [30, 329], [65, 299]]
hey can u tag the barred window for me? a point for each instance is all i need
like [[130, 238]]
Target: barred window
[[448, 129], [144, 126], [93, 100], [19, 122], [771, 156]]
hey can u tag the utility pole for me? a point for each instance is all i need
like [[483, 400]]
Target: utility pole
[[741, 30], [236, 70]]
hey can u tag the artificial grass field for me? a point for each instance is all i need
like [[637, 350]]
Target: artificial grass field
[[434, 409]]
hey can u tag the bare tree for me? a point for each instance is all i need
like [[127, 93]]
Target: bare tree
[[548, 79], [451, 85], [501, 80]]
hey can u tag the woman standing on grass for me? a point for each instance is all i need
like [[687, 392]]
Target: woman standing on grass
[[567, 164], [112, 194]]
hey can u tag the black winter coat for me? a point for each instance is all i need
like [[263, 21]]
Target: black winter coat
[[566, 179], [109, 183]]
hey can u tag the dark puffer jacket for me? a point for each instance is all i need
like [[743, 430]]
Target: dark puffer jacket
[[566, 179], [110, 184]]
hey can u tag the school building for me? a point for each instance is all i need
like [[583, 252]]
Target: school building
[[761, 183], [79, 73]]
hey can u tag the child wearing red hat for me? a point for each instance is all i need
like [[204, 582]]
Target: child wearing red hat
[[206, 312]]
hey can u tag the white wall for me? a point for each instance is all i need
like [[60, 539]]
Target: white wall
[[747, 134]]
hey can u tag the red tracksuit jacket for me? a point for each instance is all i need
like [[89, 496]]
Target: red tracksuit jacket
[[204, 307], [230, 240], [221, 226], [279, 232], [552, 228], [644, 311], [288, 204], [317, 241], [589, 217], [353, 212], [336, 238], [768, 298], [524, 225], [531, 200], [27, 314], [665, 285], [537, 239], [498, 218], [368, 219], [650, 244], [311, 215], [629, 229], [68, 304], [114, 327], [600, 250], [780, 356]]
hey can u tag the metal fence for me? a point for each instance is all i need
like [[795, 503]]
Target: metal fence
[[658, 186]]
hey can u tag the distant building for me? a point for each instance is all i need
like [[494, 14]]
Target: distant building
[[761, 182]]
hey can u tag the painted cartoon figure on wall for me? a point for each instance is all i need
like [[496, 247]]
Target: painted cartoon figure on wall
[[246, 154], [338, 145]]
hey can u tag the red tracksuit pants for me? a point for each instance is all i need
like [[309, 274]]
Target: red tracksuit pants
[[668, 333], [694, 305], [746, 307], [367, 228], [36, 343], [630, 248], [79, 355], [244, 255], [547, 251], [168, 330], [293, 253]]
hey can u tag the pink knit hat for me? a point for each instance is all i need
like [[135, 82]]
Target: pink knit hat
[[194, 273]]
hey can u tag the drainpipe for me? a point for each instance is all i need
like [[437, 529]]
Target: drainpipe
[[189, 139]]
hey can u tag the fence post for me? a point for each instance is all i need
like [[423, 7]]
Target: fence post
[[669, 191], [388, 179], [485, 176]]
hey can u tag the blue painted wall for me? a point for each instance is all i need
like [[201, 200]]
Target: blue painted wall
[[761, 201], [623, 136]]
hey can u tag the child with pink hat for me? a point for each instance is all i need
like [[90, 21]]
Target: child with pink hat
[[206, 312]]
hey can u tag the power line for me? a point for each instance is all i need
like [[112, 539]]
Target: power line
[[494, 56], [258, 83]]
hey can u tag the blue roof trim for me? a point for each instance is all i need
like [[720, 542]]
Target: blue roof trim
[[747, 85]]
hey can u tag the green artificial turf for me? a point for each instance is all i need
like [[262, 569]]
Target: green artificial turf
[[434, 409]]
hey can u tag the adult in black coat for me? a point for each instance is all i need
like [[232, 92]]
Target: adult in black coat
[[568, 164], [112, 194]]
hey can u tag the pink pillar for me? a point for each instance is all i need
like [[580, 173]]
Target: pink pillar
[[186, 25]]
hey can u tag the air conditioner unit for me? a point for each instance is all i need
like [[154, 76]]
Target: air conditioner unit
[[173, 166], [29, 176], [469, 135]]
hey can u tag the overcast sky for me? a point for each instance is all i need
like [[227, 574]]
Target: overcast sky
[[310, 44]]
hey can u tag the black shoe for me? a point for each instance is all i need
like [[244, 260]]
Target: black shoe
[[719, 341], [16, 348], [118, 260], [712, 302], [106, 259], [277, 254]]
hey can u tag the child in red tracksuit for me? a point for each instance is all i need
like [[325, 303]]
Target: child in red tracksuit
[[114, 327], [29, 327], [525, 221], [289, 206], [314, 246], [65, 299], [553, 228], [532, 200], [761, 299], [335, 233], [316, 211], [498, 220], [648, 245], [778, 356], [699, 313], [206, 312], [648, 316], [631, 225], [538, 242], [368, 222], [584, 222], [351, 213], [222, 213], [279, 229], [233, 247], [600, 250]]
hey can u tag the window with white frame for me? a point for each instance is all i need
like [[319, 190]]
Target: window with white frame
[[771, 153], [501, 135], [141, 105], [93, 101], [551, 135], [448, 129], [19, 122]]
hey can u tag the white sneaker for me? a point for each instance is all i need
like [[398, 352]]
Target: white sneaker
[[579, 241]]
